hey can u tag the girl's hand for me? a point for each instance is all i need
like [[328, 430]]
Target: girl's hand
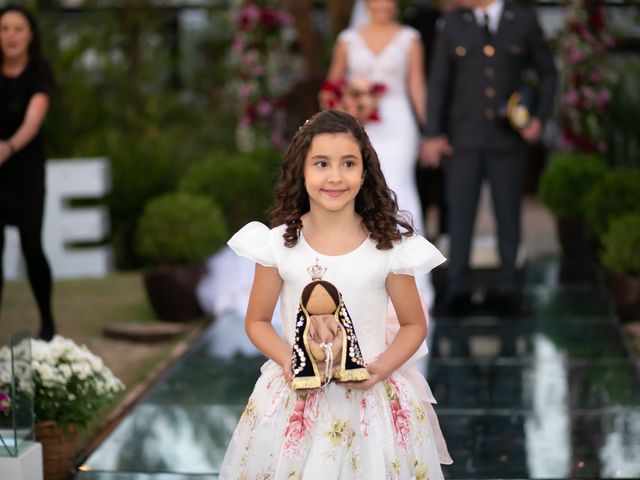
[[5, 152], [377, 374], [288, 373]]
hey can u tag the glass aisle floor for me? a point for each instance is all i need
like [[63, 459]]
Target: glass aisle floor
[[552, 395]]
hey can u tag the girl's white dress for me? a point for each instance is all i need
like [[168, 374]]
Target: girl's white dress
[[388, 432]]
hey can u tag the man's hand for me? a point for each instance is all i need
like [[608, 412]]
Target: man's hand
[[432, 150], [532, 132]]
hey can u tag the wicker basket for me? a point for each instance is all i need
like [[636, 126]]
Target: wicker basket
[[58, 449]]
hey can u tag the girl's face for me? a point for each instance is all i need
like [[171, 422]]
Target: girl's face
[[15, 35], [382, 10], [333, 172]]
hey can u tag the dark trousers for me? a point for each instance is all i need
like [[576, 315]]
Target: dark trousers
[[38, 270], [430, 183], [464, 175]]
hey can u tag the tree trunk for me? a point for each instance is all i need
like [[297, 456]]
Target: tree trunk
[[339, 14], [307, 37]]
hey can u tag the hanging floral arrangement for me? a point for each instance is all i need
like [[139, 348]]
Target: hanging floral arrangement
[[586, 94], [263, 71]]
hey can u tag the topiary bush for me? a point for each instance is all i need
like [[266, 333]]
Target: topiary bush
[[241, 183], [618, 193], [621, 244], [567, 180], [179, 228]]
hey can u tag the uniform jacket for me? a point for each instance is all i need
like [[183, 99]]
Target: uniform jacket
[[473, 75]]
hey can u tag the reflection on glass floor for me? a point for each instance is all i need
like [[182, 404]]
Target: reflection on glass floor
[[552, 395]]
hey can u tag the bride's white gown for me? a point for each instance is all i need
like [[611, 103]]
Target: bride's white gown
[[396, 136]]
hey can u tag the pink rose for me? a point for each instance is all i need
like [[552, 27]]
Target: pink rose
[[400, 424], [249, 16], [296, 429], [571, 97], [286, 18], [596, 75], [238, 43], [608, 40], [575, 55], [264, 108], [245, 90], [5, 401], [602, 98], [250, 56]]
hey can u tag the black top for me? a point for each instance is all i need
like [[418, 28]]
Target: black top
[[472, 77], [15, 95]]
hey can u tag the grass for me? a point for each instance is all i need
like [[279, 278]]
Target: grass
[[82, 308]]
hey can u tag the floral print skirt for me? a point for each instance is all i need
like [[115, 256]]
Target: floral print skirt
[[332, 433]]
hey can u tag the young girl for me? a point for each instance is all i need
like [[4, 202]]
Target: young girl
[[333, 208]]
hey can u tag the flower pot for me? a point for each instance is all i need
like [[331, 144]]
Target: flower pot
[[579, 263], [625, 293], [172, 292], [58, 449]]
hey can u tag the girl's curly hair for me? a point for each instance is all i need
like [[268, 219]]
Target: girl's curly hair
[[375, 203]]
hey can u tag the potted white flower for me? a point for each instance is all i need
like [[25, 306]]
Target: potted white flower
[[68, 384]]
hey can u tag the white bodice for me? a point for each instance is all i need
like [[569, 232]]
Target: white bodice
[[359, 275], [389, 66]]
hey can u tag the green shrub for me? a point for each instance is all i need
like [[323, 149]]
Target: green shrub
[[241, 183], [566, 181], [621, 244], [178, 228], [618, 193]]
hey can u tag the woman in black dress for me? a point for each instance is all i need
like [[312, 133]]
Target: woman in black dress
[[26, 83]]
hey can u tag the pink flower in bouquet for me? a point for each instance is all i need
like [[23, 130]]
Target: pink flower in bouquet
[[359, 97]]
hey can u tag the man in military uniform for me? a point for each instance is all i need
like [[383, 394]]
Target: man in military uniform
[[478, 64]]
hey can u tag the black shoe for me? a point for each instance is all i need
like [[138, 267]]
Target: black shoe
[[46, 334], [459, 305], [505, 304]]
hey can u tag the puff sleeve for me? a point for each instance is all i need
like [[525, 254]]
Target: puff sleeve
[[254, 242], [415, 256]]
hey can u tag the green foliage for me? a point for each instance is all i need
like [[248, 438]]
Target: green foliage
[[567, 180], [124, 92], [178, 228], [618, 193], [622, 244], [623, 134], [241, 183]]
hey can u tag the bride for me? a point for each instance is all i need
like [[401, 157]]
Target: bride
[[386, 52], [379, 48]]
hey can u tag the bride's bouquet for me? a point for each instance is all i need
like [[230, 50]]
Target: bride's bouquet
[[358, 97]]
